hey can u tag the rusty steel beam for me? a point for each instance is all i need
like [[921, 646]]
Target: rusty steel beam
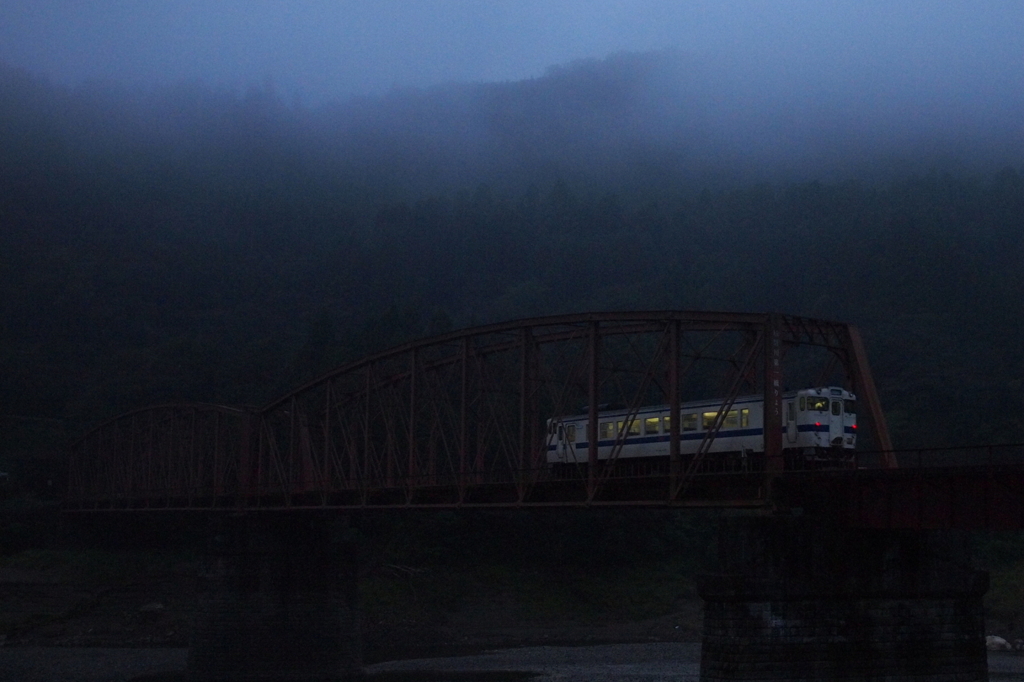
[[772, 340], [411, 467], [592, 407], [860, 373], [675, 413], [463, 415]]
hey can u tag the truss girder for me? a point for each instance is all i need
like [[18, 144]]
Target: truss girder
[[168, 456], [461, 419]]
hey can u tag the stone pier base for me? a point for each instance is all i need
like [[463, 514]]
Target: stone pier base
[[276, 601], [801, 600]]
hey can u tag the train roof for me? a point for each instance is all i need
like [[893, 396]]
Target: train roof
[[619, 410]]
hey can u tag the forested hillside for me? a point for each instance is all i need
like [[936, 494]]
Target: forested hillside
[[195, 244]]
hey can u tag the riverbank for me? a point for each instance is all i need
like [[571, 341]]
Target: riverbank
[[654, 662]]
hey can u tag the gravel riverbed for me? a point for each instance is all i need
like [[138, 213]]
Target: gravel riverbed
[[654, 662]]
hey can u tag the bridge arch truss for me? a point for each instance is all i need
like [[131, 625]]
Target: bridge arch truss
[[461, 419]]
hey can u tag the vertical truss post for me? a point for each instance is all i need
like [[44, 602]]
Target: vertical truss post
[[479, 464], [133, 482], [367, 465], [526, 411], [193, 463], [217, 483], [431, 474], [675, 458], [294, 461], [463, 405], [594, 389], [411, 469], [773, 396], [173, 456], [245, 457], [117, 465], [326, 472], [524, 360], [150, 454]]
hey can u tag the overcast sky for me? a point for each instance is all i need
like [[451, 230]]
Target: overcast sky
[[324, 49]]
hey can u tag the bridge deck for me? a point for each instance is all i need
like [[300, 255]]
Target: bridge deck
[[958, 488]]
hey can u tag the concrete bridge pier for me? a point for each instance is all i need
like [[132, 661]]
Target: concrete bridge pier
[[276, 600], [796, 599]]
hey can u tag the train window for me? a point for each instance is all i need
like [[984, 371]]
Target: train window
[[607, 430], [732, 419], [837, 407], [632, 430], [709, 419], [570, 433], [651, 425], [561, 432], [666, 424], [803, 403], [744, 417], [817, 404], [851, 406], [689, 422], [792, 411]]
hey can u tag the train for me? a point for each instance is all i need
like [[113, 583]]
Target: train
[[818, 425]]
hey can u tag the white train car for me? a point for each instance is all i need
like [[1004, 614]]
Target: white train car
[[816, 422]]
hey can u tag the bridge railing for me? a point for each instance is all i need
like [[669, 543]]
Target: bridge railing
[[962, 456]]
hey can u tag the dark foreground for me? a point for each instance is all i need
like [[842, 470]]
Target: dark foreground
[[663, 661]]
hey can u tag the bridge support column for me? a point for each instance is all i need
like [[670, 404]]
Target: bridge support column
[[800, 600], [276, 601]]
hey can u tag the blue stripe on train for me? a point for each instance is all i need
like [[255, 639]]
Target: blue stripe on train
[[698, 435]]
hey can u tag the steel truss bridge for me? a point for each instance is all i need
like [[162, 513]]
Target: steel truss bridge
[[460, 420]]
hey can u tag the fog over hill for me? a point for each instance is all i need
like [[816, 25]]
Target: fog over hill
[[666, 117], [632, 119]]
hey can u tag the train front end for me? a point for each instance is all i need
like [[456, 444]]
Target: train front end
[[822, 420]]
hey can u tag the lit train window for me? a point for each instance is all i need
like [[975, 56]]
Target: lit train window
[[851, 406], [817, 403], [666, 424], [651, 425], [570, 433], [689, 422], [633, 429], [733, 419], [607, 430]]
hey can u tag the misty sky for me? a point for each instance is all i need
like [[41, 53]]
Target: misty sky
[[324, 49]]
